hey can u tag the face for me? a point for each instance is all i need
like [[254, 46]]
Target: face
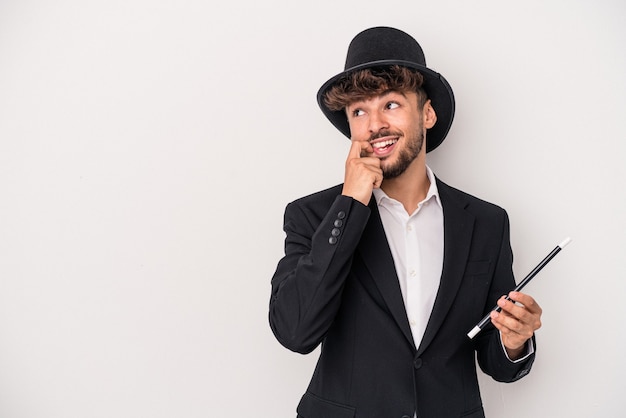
[[395, 127]]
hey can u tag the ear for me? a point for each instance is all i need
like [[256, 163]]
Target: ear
[[430, 117]]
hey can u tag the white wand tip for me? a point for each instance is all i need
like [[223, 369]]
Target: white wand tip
[[473, 332], [565, 242]]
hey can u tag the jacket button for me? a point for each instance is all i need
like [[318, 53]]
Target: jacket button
[[335, 232], [332, 240], [405, 416], [417, 363], [338, 223], [341, 215]]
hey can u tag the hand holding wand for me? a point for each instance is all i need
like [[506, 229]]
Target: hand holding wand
[[519, 287]]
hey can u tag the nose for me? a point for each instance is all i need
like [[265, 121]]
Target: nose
[[377, 122]]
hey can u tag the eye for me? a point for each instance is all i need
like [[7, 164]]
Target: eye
[[392, 105], [358, 112]]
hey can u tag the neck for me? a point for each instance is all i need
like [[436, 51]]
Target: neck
[[411, 187]]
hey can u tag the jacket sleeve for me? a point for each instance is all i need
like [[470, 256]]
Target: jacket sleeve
[[491, 355], [308, 283]]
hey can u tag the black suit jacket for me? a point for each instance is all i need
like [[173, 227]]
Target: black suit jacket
[[337, 286]]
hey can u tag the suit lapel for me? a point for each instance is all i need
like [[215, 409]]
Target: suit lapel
[[379, 261], [458, 228]]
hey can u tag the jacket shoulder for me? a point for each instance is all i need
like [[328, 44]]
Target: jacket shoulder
[[469, 202]]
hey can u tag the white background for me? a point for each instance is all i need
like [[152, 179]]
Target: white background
[[148, 148]]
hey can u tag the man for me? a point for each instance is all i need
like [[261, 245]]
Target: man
[[390, 270]]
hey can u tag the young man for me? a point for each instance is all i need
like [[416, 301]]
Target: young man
[[390, 270]]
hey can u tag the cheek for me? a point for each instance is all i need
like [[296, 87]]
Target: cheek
[[358, 129]]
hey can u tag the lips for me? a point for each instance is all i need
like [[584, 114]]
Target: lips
[[384, 146]]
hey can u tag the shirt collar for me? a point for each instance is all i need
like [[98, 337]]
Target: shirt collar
[[433, 192]]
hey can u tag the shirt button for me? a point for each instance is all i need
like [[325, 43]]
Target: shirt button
[[409, 228], [412, 273]]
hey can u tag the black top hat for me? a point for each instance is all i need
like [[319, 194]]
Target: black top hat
[[382, 47]]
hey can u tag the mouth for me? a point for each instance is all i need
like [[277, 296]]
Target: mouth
[[384, 146]]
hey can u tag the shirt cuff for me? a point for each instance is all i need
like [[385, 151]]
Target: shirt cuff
[[529, 350]]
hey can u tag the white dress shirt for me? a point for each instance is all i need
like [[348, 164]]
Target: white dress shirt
[[416, 243]]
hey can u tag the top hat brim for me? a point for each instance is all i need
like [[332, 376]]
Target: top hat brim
[[435, 85]]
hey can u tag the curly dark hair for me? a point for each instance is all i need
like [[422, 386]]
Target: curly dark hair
[[370, 82]]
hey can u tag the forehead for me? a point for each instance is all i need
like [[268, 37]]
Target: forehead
[[387, 95]]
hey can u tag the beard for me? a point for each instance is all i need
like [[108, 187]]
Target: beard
[[405, 157]]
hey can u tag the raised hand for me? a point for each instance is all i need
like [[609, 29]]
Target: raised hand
[[363, 172]]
